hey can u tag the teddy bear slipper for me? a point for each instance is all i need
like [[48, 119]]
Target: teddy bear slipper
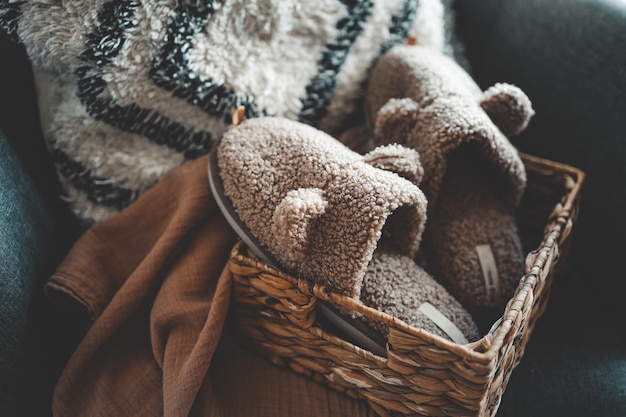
[[396, 285], [312, 207], [473, 176]]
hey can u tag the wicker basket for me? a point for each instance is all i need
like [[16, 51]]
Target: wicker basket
[[423, 374]]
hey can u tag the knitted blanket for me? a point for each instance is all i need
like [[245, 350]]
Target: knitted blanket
[[132, 89]]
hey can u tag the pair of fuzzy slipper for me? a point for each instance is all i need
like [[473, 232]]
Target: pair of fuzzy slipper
[[308, 204]]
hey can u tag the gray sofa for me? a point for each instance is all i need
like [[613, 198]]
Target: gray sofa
[[569, 56]]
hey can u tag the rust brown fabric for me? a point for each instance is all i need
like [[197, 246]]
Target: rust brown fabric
[[152, 284]]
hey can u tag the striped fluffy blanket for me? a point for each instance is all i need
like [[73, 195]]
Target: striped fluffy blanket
[[131, 89]]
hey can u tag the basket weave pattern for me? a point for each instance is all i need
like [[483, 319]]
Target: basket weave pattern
[[423, 374]]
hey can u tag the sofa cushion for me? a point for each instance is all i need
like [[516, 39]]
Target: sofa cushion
[[136, 89]]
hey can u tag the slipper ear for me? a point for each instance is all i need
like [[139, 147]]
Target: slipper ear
[[292, 219], [399, 159], [395, 120], [508, 108]]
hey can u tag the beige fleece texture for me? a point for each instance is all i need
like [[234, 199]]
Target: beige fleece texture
[[469, 214], [396, 285], [424, 100], [316, 206]]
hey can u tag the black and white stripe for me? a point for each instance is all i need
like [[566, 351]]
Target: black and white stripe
[[322, 87], [102, 46], [99, 190], [146, 74], [170, 69], [401, 24], [389, 24]]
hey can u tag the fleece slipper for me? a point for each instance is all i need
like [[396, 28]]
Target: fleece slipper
[[317, 207], [424, 100], [396, 285], [313, 207]]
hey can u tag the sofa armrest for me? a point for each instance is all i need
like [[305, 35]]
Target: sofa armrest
[[20, 122]]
